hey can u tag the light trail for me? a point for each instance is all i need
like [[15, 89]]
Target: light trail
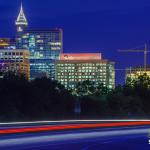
[[66, 137], [72, 127], [73, 121]]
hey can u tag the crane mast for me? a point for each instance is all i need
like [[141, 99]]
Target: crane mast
[[145, 57]]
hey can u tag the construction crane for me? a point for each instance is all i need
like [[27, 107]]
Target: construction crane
[[145, 51]]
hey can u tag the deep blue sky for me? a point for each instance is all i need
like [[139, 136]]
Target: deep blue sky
[[89, 25]]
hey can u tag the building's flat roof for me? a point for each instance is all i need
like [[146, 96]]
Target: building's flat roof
[[38, 30], [84, 61], [80, 56], [13, 50]]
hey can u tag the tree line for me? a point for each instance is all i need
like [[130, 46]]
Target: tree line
[[46, 99]]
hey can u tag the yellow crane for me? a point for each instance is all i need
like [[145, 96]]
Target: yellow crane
[[145, 51]]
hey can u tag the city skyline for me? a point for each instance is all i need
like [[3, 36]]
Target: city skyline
[[88, 30], [74, 74]]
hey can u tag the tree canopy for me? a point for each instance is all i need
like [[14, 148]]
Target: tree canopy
[[46, 99]]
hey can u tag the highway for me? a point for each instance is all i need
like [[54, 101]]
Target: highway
[[115, 138]]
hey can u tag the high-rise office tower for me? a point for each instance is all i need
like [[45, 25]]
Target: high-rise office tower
[[45, 47], [21, 21]]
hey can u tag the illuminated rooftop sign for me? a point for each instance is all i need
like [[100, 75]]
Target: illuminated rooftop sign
[[80, 56]]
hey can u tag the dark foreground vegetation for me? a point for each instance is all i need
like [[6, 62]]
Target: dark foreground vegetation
[[43, 99]]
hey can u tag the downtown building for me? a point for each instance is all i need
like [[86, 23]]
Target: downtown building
[[134, 72], [74, 68], [16, 61], [12, 59], [44, 46]]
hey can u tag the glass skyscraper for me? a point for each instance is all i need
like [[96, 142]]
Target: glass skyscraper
[[44, 46]]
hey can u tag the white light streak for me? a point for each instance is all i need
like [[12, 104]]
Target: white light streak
[[75, 121]]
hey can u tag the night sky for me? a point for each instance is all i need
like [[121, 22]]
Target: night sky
[[89, 25]]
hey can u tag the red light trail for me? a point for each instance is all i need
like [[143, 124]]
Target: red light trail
[[72, 126]]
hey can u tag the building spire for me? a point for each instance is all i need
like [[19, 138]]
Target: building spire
[[21, 21]]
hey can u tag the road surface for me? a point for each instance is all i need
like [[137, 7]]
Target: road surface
[[119, 138]]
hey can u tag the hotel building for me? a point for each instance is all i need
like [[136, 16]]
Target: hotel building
[[73, 68]]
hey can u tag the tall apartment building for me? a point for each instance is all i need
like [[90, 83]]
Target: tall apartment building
[[16, 61], [74, 68]]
